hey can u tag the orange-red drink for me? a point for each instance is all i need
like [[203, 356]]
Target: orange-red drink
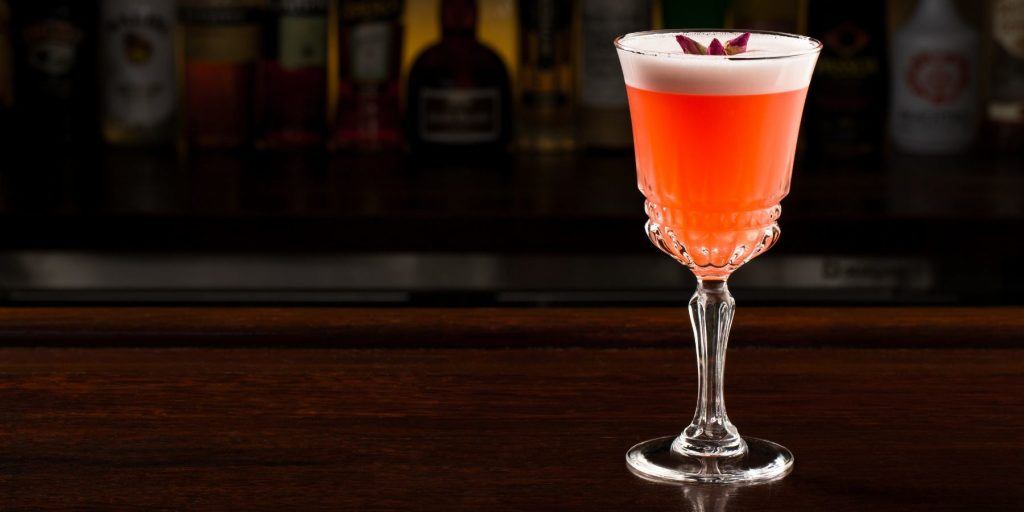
[[718, 166], [715, 122], [714, 173], [715, 139]]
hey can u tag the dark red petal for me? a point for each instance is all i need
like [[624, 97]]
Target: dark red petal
[[737, 44], [690, 47], [716, 48]]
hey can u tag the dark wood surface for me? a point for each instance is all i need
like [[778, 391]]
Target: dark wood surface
[[499, 327], [207, 422]]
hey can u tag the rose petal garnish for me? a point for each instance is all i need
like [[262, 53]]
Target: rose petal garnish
[[716, 48], [737, 44], [691, 47]]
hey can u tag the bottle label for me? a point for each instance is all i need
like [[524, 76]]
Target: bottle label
[[302, 42], [601, 83], [1008, 112], [460, 116], [1008, 26], [371, 47], [850, 55], [938, 77], [933, 102], [301, 33], [52, 46], [221, 34], [138, 55]]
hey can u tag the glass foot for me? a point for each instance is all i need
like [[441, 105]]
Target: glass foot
[[655, 460]]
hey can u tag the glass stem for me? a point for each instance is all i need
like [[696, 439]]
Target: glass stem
[[711, 434]]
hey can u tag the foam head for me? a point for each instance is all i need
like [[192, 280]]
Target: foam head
[[772, 63]]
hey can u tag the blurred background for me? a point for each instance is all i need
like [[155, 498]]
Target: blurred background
[[478, 152]]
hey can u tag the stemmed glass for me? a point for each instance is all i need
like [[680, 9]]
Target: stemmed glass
[[715, 137]]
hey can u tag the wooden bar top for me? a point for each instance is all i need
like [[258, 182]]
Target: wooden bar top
[[288, 409], [505, 327]]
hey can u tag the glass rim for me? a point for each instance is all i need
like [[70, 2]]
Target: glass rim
[[815, 45]]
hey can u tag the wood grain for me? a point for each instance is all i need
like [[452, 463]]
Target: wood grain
[[519, 327], [517, 429]]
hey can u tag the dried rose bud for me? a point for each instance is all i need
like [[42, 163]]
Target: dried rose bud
[[691, 47], [737, 44], [716, 48]]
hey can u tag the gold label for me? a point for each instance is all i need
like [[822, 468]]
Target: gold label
[[1008, 26]]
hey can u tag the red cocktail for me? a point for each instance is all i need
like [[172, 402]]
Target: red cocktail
[[715, 137]]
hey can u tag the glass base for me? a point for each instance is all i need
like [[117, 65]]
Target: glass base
[[655, 460]]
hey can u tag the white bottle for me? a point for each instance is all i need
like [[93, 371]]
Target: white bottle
[[934, 81], [137, 57]]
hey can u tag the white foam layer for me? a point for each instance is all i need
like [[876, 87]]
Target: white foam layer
[[772, 63]]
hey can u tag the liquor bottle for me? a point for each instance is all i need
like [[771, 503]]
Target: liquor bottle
[[459, 92], [292, 109], [847, 105], [54, 72], [679, 14], [777, 15], [137, 59], [498, 28], [546, 75], [934, 81], [222, 47], [603, 112], [365, 80], [1006, 83]]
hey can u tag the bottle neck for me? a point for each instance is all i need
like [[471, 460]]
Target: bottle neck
[[458, 19], [458, 35], [936, 12]]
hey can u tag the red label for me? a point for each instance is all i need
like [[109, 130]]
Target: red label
[[938, 77]]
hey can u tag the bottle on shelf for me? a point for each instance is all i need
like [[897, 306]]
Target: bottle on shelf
[[776, 15], [137, 59], [222, 48], [680, 14], [292, 92], [366, 47], [1006, 81], [847, 104], [497, 27], [459, 91], [54, 72], [546, 78], [934, 81], [602, 105]]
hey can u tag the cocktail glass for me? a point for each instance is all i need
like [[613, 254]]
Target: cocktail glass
[[715, 138]]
